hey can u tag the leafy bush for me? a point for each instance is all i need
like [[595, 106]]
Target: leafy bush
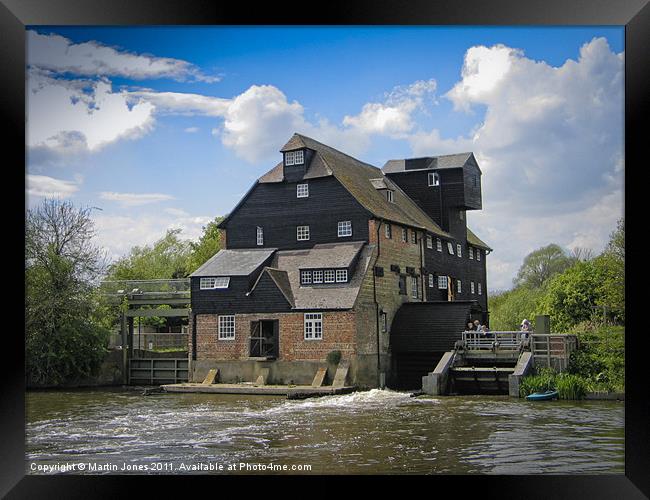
[[568, 386], [334, 357]]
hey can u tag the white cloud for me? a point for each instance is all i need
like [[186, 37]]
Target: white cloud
[[135, 199], [48, 187], [550, 146], [117, 234], [72, 117], [59, 54], [191, 130], [394, 116]]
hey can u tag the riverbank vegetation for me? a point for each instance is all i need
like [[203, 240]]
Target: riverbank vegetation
[[67, 320], [584, 295]]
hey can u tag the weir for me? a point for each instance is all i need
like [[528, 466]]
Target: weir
[[494, 363]]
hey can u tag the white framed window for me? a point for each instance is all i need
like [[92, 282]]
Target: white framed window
[[442, 282], [390, 196], [429, 241], [384, 322], [313, 326], [345, 228], [302, 233], [431, 281], [305, 277], [433, 179], [459, 288], [318, 276], [471, 253], [294, 157], [329, 275], [471, 287], [405, 235], [260, 236], [389, 231], [227, 327], [480, 290], [450, 248], [439, 244], [302, 190], [414, 287], [212, 283], [341, 275], [414, 237], [478, 255], [458, 250]]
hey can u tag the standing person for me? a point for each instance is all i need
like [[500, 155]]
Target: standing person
[[525, 328]]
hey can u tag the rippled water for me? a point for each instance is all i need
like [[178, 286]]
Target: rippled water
[[374, 432]]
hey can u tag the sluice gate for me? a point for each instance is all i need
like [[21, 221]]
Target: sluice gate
[[494, 363]]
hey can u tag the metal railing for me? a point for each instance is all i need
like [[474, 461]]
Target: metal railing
[[553, 350], [490, 341]]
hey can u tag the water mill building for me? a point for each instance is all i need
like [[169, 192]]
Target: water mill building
[[326, 254]]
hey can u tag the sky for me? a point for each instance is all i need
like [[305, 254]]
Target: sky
[[168, 127]]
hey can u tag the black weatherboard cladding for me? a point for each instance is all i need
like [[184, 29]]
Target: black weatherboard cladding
[[276, 208]]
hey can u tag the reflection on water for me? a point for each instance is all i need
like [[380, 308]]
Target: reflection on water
[[374, 432]]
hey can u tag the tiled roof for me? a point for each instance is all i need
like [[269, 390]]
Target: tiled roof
[[428, 163], [235, 262], [472, 239], [326, 296]]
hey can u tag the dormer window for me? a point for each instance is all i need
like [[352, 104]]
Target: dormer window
[[434, 179], [389, 196], [294, 157]]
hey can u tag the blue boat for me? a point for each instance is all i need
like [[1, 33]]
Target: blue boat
[[542, 396]]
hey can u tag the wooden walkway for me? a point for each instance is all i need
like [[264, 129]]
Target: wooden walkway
[[290, 392]]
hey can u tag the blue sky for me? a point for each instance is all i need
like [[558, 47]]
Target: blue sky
[[168, 126]]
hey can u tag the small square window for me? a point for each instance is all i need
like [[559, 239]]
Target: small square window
[[429, 241], [414, 237], [433, 179], [341, 275], [329, 276], [389, 231], [459, 287], [260, 236], [431, 281], [471, 287], [442, 282], [302, 190], [471, 253], [439, 244], [450, 248], [305, 277], [480, 291], [384, 322], [478, 255], [318, 276], [294, 158], [302, 233], [345, 228]]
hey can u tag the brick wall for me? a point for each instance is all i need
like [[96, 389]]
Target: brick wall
[[339, 333]]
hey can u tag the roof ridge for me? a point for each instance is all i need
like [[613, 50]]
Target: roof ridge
[[334, 149]]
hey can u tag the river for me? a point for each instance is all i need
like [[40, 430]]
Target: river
[[376, 432]]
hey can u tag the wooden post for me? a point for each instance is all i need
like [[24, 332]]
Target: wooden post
[[125, 350]]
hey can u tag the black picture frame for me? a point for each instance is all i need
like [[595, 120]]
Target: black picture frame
[[633, 14]]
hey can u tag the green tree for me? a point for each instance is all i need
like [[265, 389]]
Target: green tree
[[167, 258], [509, 308], [209, 244], [540, 265], [65, 339]]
